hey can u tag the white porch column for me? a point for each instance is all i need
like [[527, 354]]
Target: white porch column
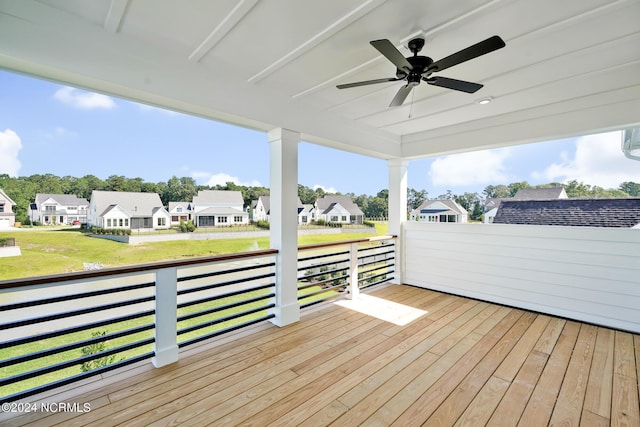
[[397, 207], [166, 346], [283, 223]]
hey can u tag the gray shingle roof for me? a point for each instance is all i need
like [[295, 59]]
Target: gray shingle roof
[[136, 204], [571, 212], [540, 193], [452, 205], [326, 202], [205, 197], [63, 199]]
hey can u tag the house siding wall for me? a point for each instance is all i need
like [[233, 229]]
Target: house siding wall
[[587, 274]]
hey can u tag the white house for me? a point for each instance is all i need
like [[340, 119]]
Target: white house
[[7, 217], [219, 208], [306, 214], [58, 209], [180, 211], [444, 210], [262, 210], [338, 208], [121, 209]]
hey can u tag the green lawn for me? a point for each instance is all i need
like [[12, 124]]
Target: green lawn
[[47, 252]]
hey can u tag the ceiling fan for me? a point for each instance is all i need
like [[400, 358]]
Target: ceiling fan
[[414, 69]]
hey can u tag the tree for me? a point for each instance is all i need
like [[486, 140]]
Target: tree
[[415, 198], [377, 208], [515, 186], [496, 191], [306, 194], [468, 201], [631, 188]]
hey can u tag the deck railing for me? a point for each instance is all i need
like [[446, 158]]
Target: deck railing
[[55, 330], [332, 270]]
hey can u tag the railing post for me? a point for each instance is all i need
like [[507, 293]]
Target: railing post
[[354, 288], [166, 345]]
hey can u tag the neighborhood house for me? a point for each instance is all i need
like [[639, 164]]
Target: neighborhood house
[[261, 210], [444, 210], [624, 213], [121, 209], [180, 212], [219, 208], [52, 209], [7, 217], [338, 208]]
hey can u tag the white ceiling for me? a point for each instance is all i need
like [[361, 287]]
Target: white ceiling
[[570, 67]]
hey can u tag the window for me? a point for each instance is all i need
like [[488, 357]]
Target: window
[[108, 222], [49, 208], [304, 218], [334, 218], [126, 222], [1, 207], [121, 222], [237, 219], [72, 208], [174, 218], [178, 209], [344, 218], [222, 219], [162, 221]]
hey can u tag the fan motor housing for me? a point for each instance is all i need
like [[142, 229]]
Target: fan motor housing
[[419, 64]]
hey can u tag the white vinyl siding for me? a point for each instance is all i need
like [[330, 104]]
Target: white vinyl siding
[[588, 274]]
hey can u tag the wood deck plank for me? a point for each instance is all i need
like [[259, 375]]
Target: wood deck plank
[[571, 398], [625, 409], [463, 362]]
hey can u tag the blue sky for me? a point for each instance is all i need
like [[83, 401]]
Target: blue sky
[[50, 128]]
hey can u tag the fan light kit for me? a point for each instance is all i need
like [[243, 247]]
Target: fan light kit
[[416, 68]]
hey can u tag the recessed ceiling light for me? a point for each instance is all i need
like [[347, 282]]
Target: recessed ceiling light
[[484, 101]]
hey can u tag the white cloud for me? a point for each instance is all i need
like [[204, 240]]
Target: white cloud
[[10, 145], [84, 100], [221, 178], [478, 167], [598, 160], [329, 190]]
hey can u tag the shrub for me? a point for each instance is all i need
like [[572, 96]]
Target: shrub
[[93, 349], [191, 226], [369, 223], [263, 224], [183, 226], [321, 222]]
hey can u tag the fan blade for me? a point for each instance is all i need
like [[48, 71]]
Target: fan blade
[[367, 82], [390, 52], [454, 84], [478, 49], [401, 96]]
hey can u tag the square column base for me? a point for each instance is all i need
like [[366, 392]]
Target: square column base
[[165, 356], [286, 315]]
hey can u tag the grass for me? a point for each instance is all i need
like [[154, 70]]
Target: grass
[[46, 252]]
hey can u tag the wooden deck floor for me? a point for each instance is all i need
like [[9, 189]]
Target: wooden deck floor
[[435, 360]]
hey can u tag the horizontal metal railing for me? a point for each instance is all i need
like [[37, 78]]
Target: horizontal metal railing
[[93, 322], [325, 273]]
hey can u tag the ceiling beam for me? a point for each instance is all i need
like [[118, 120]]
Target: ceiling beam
[[237, 13], [116, 13], [338, 25]]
